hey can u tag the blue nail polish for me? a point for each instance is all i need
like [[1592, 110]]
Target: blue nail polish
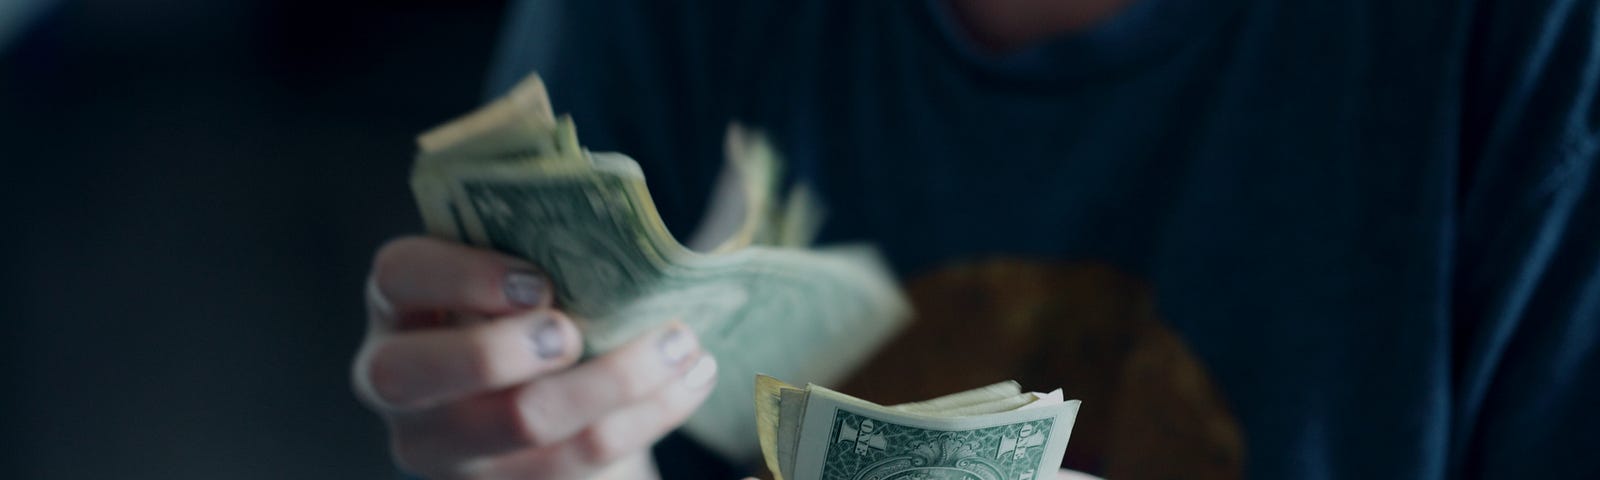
[[525, 289], [548, 341]]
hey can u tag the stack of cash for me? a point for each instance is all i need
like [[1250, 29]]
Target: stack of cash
[[512, 176], [995, 432]]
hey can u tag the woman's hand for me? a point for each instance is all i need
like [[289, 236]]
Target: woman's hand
[[477, 376]]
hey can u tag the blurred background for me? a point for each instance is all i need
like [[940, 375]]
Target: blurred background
[[195, 189]]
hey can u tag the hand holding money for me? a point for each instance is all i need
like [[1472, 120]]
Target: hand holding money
[[512, 178], [477, 375], [994, 432]]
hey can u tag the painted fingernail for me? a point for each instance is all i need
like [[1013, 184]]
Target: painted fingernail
[[548, 341], [525, 289], [675, 345], [703, 372]]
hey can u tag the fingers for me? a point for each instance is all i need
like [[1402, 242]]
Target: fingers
[[619, 436], [420, 274], [413, 370], [564, 406], [501, 398], [557, 406]]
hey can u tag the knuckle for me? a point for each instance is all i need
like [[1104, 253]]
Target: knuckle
[[475, 281], [620, 377], [528, 418], [389, 258], [482, 364], [602, 443], [381, 367], [479, 287], [396, 250]]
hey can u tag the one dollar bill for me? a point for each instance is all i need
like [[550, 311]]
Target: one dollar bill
[[513, 177], [991, 433]]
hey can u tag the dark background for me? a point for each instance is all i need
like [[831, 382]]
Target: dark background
[[193, 190]]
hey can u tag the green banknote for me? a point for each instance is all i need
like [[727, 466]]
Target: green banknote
[[513, 178], [871, 446], [991, 433]]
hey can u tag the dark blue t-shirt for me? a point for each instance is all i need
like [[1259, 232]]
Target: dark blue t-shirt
[[1372, 227]]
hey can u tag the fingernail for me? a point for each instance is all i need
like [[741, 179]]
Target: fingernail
[[525, 289], [675, 345], [703, 372], [548, 341]]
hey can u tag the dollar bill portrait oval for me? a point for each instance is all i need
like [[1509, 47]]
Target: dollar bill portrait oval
[[866, 448], [933, 473], [942, 459]]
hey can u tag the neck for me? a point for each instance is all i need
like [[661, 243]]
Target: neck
[[1003, 26]]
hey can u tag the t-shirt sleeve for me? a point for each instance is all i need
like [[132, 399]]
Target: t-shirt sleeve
[[1527, 283]]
